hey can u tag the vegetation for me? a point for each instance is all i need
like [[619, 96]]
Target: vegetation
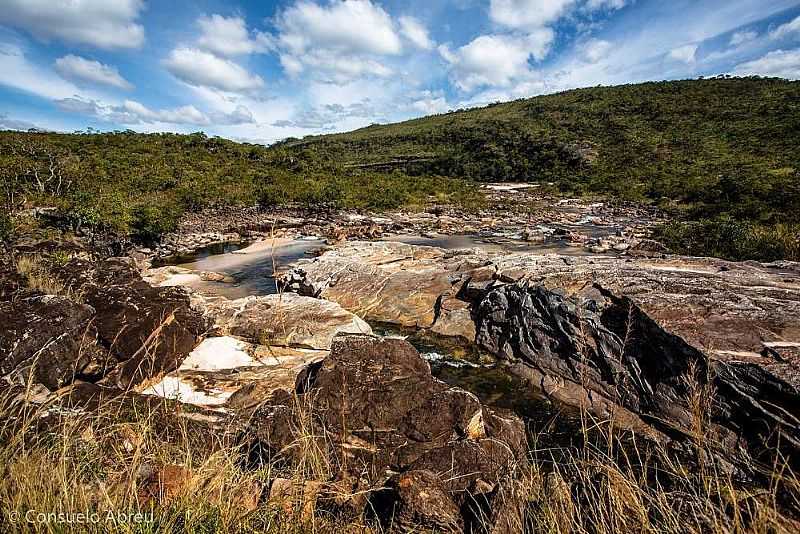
[[714, 149], [101, 463]]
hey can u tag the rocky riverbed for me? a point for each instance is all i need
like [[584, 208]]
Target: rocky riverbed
[[257, 319]]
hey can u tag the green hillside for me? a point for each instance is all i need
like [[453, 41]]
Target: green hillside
[[722, 152], [716, 145]]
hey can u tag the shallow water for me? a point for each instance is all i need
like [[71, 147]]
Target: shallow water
[[253, 271]]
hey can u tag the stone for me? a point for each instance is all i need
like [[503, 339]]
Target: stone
[[288, 320], [417, 500], [381, 411]]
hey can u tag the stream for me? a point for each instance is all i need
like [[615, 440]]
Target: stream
[[459, 364]]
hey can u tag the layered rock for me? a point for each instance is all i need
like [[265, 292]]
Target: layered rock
[[257, 344], [637, 336], [112, 328], [373, 408], [385, 281]]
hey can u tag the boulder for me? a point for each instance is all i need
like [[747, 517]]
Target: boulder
[[387, 282], [281, 320], [111, 327], [49, 340], [602, 351], [375, 409]]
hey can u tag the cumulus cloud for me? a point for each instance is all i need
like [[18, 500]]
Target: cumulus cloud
[[739, 38], [685, 54], [131, 112], [596, 49], [414, 31], [790, 29], [528, 13], [228, 36], [431, 104], [778, 63], [100, 23], [81, 69], [496, 59], [204, 69], [342, 39]]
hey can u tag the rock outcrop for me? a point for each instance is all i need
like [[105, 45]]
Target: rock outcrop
[[636, 336], [112, 328], [373, 408]]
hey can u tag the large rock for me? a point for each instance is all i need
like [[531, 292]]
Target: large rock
[[375, 409], [281, 320], [602, 351], [112, 328], [384, 281], [49, 340]]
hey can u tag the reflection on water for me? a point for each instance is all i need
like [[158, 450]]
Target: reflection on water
[[496, 244], [252, 270]]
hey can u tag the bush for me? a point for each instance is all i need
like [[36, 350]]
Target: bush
[[150, 221], [6, 227], [732, 240]]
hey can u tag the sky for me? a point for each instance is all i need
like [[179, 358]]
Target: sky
[[261, 71]]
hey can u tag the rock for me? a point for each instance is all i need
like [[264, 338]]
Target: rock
[[383, 281], [609, 353], [281, 320], [380, 411], [454, 319], [417, 500], [51, 340]]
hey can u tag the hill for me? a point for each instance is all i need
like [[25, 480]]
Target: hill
[[723, 152], [723, 145]]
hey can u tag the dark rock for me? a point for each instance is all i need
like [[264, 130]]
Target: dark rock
[[380, 411], [48, 340], [416, 500], [606, 350]]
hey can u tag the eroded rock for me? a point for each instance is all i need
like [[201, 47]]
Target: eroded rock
[[375, 409]]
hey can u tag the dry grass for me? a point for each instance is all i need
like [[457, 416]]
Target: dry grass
[[36, 272]]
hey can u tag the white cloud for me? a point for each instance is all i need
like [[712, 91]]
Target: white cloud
[[100, 23], [596, 49], [789, 29], [528, 13], [778, 63], [739, 38], [431, 106], [347, 26], [86, 70], [22, 75], [414, 31], [340, 40], [7, 123], [131, 112], [200, 68], [496, 59], [228, 36], [685, 53], [605, 4]]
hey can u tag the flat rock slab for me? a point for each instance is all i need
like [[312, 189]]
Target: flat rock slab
[[286, 320]]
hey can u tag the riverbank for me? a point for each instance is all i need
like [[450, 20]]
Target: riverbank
[[643, 373]]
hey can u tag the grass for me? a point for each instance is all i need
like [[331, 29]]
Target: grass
[[36, 272], [98, 462]]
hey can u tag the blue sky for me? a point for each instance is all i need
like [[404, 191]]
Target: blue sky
[[262, 71]]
